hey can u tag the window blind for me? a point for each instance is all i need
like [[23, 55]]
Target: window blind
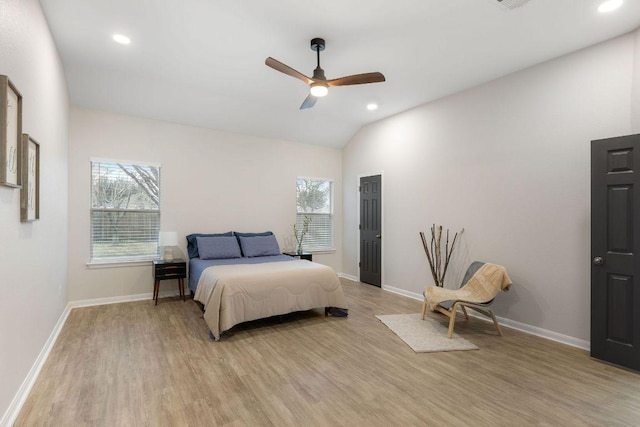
[[320, 234], [315, 201], [125, 210]]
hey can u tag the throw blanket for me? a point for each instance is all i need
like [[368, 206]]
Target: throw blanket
[[234, 294], [482, 287]]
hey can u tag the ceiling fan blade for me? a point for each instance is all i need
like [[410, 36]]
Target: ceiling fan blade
[[283, 68], [357, 79], [309, 102]]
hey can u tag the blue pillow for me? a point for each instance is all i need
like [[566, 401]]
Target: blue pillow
[[192, 244], [265, 233], [255, 246], [218, 247], [239, 235]]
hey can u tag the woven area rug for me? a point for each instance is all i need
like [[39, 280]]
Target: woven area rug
[[424, 336]]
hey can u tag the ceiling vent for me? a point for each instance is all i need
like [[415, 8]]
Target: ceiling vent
[[510, 4]]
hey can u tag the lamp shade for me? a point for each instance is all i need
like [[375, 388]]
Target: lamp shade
[[168, 238]]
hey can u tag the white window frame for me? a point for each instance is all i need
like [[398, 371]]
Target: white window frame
[[130, 260], [319, 249]]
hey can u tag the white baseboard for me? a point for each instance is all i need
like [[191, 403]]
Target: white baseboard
[[523, 327], [404, 293], [125, 298], [543, 333], [12, 412], [348, 277]]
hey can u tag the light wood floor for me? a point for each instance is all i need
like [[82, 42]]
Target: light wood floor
[[134, 364]]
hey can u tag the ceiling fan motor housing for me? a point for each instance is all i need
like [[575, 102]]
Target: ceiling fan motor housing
[[318, 74]]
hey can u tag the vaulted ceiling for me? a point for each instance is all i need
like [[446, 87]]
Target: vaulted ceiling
[[201, 62]]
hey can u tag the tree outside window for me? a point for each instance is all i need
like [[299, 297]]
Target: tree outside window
[[315, 200]]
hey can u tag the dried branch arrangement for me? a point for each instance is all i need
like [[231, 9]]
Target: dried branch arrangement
[[300, 231], [438, 261]]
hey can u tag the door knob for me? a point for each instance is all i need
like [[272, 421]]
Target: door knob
[[598, 260], [378, 236]]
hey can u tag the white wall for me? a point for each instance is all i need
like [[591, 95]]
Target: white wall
[[510, 162], [211, 181], [33, 256]]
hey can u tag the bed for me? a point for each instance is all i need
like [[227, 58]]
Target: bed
[[240, 277]]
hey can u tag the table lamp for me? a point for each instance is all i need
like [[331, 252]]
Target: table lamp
[[168, 239]]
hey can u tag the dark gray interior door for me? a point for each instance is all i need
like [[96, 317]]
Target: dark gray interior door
[[615, 232], [371, 230]]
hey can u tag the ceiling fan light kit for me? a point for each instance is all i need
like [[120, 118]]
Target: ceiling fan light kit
[[319, 90], [318, 84]]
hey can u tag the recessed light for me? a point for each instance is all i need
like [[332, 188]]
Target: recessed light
[[119, 38], [372, 106], [610, 5]]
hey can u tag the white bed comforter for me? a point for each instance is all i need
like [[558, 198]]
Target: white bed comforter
[[234, 294]]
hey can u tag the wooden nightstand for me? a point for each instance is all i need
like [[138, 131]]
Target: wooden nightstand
[[165, 270], [304, 255]]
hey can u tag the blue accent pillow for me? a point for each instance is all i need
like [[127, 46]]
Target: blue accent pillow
[[254, 246], [192, 244], [218, 247]]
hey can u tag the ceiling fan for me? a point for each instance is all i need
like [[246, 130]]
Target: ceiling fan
[[319, 85]]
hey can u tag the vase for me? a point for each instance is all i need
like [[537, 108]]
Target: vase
[[299, 250]]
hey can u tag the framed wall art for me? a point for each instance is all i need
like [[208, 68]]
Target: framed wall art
[[30, 192], [10, 133]]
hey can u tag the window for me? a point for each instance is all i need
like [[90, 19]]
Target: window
[[125, 210], [315, 200]]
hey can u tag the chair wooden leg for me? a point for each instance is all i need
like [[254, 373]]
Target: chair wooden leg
[[464, 310], [452, 319], [424, 308], [495, 321]]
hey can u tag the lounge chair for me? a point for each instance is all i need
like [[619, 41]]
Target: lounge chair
[[479, 287]]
